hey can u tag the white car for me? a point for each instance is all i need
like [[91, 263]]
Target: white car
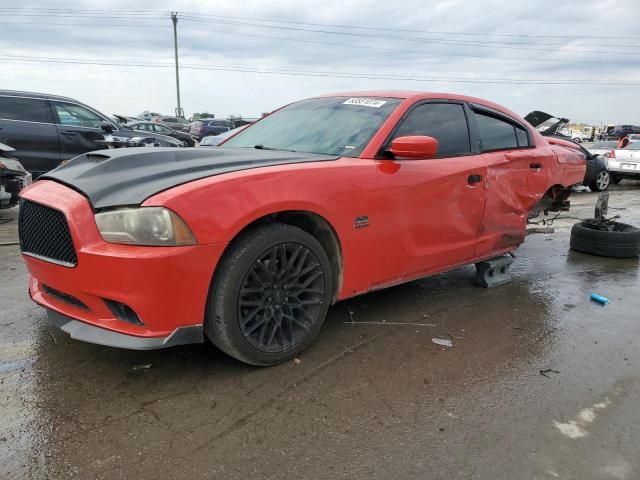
[[634, 137], [625, 162]]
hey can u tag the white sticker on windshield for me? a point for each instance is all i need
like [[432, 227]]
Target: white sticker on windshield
[[365, 102]]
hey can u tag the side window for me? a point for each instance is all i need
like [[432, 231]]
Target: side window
[[76, 115], [498, 134], [522, 137], [446, 122], [25, 109]]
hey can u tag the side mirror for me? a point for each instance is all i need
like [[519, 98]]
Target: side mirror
[[106, 127], [415, 146]]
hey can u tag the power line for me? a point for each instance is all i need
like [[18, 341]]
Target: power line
[[406, 39], [421, 52], [221, 19], [83, 24], [291, 72], [18, 10], [371, 47]]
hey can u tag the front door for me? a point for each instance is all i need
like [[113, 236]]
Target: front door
[[79, 128], [435, 206]]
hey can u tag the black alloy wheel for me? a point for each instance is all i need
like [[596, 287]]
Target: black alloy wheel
[[270, 295], [280, 297]]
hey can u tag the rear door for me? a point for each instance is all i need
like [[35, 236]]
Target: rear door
[[79, 128], [434, 205], [26, 124], [517, 178]]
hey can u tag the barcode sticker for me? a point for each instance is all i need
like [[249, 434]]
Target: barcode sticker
[[365, 102]]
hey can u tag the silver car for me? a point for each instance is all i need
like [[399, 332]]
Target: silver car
[[625, 162]]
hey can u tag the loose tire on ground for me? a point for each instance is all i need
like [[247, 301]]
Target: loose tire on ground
[[623, 242], [270, 295]]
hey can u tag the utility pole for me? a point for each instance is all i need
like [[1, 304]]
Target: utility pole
[[174, 19]]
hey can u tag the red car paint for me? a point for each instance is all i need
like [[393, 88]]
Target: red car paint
[[424, 218]]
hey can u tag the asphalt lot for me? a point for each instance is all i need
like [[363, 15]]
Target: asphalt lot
[[370, 400]]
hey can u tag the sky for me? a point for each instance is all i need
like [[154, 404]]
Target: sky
[[576, 59]]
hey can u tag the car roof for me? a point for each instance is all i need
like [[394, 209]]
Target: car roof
[[48, 96], [414, 95]]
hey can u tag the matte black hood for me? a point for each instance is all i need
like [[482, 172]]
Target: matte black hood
[[128, 176]]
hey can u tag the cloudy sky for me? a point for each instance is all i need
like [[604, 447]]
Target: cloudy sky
[[577, 59]]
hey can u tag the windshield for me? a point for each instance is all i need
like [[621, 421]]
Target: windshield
[[633, 146], [327, 126]]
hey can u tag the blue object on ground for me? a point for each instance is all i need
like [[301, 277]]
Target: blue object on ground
[[599, 298]]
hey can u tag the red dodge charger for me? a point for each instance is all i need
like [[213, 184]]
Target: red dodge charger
[[249, 244]]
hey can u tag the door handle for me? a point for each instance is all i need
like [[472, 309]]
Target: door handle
[[69, 132], [474, 179], [535, 165]]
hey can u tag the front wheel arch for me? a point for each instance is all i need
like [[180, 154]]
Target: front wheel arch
[[313, 223]]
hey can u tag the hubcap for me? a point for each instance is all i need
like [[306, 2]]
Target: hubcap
[[603, 180], [280, 298]]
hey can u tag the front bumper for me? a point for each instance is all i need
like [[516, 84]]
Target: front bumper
[[166, 287], [89, 333]]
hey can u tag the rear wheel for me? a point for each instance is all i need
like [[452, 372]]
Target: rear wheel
[[601, 182], [270, 295]]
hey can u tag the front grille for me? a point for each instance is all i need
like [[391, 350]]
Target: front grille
[[44, 233], [63, 297]]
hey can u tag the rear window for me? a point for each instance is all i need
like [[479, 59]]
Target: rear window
[[498, 134], [25, 109]]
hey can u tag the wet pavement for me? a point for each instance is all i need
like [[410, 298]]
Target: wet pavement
[[371, 400]]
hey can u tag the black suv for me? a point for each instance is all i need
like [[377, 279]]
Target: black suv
[[47, 129]]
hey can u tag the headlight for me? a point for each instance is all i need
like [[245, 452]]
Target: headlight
[[115, 138], [144, 226]]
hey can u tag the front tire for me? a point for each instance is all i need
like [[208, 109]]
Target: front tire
[[270, 295]]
